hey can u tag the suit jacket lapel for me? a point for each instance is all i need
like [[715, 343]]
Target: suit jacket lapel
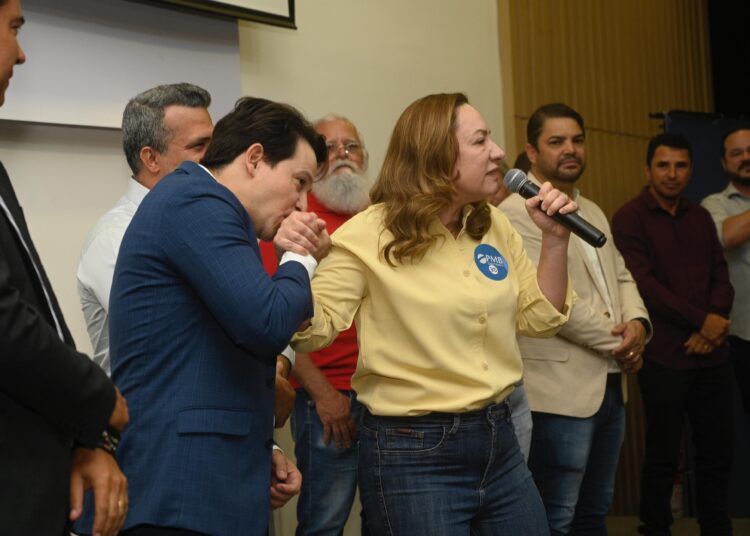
[[587, 262], [11, 201]]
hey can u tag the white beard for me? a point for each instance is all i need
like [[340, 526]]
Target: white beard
[[347, 192]]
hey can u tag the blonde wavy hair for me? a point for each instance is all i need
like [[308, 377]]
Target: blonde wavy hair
[[416, 182]]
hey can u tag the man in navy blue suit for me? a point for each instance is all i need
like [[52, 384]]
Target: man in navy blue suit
[[196, 324]]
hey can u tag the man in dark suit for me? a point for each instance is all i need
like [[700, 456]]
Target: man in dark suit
[[55, 403], [196, 324]]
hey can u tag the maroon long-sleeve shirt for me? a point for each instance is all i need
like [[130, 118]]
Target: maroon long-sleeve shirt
[[682, 276]]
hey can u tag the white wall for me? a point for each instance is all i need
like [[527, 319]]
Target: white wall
[[369, 59], [65, 178]]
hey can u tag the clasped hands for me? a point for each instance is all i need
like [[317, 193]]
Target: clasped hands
[[303, 233], [712, 334], [629, 354]]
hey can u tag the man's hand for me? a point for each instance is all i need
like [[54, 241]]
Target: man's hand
[[631, 366], [715, 328], [285, 393], [299, 233], [698, 344], [120, 416], [97, 470], [633, 340], [335, 412], [286, 479]]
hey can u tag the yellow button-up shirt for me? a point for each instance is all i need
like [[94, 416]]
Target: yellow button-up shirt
[[436, 335]]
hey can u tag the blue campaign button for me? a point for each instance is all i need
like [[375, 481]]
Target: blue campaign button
[[491, 262]]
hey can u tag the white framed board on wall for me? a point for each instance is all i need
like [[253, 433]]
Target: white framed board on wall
[[87, 58], [273, 12]]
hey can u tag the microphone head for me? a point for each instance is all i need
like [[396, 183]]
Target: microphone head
[[514, 180]]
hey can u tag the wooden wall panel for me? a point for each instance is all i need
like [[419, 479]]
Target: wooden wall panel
[[615, 61]]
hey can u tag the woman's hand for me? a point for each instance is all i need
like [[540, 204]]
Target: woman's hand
[[548, 202]]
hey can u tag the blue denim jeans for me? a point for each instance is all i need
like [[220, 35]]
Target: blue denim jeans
[[521, 418], [329, 474], [446, 475], [574, 462]]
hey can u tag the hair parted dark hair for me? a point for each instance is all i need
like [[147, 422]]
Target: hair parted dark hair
[[729, 133], [277, 127], [668, 139], [416, 182], [554, 110]]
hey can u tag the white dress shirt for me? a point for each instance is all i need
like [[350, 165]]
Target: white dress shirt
[[96, 268]]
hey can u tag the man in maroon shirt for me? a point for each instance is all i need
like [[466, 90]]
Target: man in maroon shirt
[[670, 246], [326, 409]]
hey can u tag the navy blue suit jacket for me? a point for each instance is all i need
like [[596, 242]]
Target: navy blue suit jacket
[[195, 327]]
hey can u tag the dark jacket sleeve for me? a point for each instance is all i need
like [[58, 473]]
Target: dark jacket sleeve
[[214, 247], [37, 369]]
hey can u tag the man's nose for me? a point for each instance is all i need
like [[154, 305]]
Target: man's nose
[[569, 147], [301, 204]]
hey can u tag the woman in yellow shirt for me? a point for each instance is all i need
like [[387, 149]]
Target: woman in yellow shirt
[[438, 284]]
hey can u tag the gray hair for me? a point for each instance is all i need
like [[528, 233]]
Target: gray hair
[[143, 118], [335, 117]]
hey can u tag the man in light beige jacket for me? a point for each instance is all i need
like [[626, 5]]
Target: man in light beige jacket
[[575, 381]]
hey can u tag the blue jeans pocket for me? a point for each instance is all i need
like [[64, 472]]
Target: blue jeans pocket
[[410, 439], [403, 438]]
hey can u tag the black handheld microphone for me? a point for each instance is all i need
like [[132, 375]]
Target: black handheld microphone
[[516, 181]]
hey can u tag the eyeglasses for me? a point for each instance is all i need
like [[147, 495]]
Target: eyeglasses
[[350, 147]]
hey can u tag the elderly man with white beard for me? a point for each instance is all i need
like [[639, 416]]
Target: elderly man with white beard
[[326, 409]]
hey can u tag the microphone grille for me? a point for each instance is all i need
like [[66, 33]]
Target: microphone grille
[[514, 179]]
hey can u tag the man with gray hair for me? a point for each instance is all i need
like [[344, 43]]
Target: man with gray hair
[[161, 128], [326, 409]]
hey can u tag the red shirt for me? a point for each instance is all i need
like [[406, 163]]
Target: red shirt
[[339, 360]]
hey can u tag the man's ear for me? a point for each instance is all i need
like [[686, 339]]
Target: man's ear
[[148, 157], [253, 157], [531, 153]]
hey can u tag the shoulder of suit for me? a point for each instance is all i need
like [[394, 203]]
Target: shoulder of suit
[[589, 206]]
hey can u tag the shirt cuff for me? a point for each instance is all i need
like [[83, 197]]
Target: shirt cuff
[[290, 355], [308, 261]]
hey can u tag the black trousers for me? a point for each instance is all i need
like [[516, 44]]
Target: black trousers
[[705, 396], [740, 349]]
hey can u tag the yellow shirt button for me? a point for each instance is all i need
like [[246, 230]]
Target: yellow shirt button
[[485, 366], [467, 273], [482, 319]]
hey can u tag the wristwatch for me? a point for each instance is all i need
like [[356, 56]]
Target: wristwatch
[[646, 324], [109, 440]]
